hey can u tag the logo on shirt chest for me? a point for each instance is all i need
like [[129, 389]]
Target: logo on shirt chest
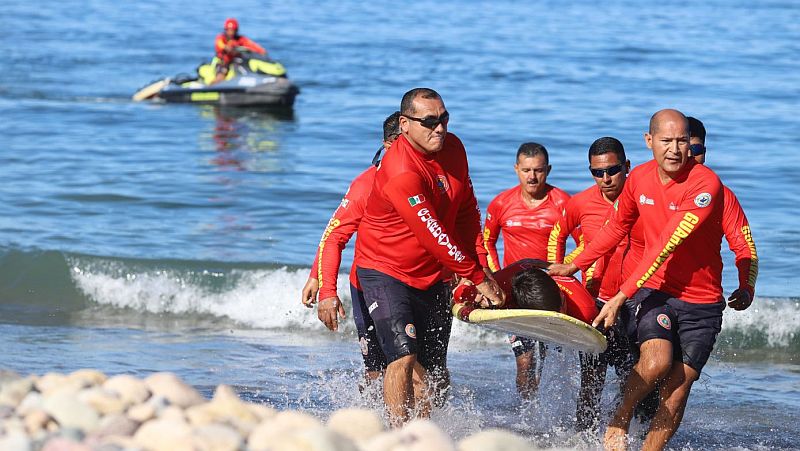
[[644, 200], [442, 183], [512, 223]]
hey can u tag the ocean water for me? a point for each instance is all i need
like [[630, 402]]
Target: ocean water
[[140, 237]]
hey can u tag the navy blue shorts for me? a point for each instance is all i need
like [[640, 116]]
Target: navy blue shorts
[[522, 345], [692, 328], [407, 320], [371, 351], [618, 350]]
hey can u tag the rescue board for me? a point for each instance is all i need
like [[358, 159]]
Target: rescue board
[[550, 327]]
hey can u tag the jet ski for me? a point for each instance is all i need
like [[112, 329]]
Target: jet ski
[[252, 80]]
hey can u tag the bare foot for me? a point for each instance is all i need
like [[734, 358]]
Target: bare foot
[[615, 439]]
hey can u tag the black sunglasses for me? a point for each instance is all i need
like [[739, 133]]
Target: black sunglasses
[[431, 122], [612, 171], [697, 149]]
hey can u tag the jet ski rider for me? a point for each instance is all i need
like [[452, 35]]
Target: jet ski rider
[[227, 44]]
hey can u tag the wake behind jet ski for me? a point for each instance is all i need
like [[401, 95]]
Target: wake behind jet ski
[[239, 75]]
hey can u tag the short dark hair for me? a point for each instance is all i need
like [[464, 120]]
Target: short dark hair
[[532, 149], [607, 144], [407, 104], [696, 128], [535, 289], [391, 125]]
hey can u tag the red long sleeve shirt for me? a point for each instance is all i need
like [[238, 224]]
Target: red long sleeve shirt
[[422, 218], [525, 230], [239, 41], [341, 227], [587, 212], [578, 303], [740, 241], [737, 232], [682, 223]]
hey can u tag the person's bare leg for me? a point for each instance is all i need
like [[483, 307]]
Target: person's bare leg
[[423, 391], [398, 391], [674, 393], [653, 365], [593, 377], [439, 380], [527, 382]]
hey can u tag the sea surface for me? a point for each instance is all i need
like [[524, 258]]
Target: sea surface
[[139, 237]]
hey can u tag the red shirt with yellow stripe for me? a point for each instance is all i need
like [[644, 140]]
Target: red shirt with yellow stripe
[[422, 218], [525, 230], [341, 227], [682, 223]]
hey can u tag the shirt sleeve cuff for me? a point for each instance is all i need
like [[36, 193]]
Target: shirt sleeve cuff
[[478, 276]]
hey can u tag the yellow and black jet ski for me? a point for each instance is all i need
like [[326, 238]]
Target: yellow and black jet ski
[[252, 80]]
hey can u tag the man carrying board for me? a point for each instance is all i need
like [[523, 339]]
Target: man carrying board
[[678, 299], [420, 223]]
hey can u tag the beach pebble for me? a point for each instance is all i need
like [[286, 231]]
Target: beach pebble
[[281, 424], [32, 401], [103, 401], [356, 424], [418, 435], [224, 407], [115, 425], [147, 410], [495, 440], [130, 390], [164, 435], [15, 441], [8, 376], [14, 391], [69, 411], [50, 382], [64, 444], [261, 411], [316, 439], [176, 391], [216, 437], [36, 422], [172, 413], [87, 377]]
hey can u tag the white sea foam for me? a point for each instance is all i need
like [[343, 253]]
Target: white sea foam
[[777, 319], [270, 299]]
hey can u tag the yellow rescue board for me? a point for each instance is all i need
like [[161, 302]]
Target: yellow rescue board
[[550, 327]]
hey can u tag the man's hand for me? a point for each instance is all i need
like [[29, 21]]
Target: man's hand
[[309, 294], [327, 310], [608, 314], [560, 269], [492, 292], [740, 299]]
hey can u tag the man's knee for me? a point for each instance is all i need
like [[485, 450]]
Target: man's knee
[[656, 359], [405, 363]]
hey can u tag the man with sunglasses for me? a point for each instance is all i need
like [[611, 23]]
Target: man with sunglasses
[[678, 300], [735, 225], [525, 215], [325, 270], [587, 212], [420, 224]]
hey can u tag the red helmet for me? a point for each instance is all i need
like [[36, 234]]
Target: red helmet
[[231, 23]]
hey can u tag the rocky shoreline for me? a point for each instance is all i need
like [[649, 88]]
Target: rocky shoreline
[[89, 411]]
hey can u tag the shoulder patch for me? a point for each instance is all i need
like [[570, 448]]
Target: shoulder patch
[[703, 200]]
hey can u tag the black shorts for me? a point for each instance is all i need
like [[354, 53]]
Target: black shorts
[[407, 320], [618, 346], [371, 351], [522, 345], [692, 328]]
